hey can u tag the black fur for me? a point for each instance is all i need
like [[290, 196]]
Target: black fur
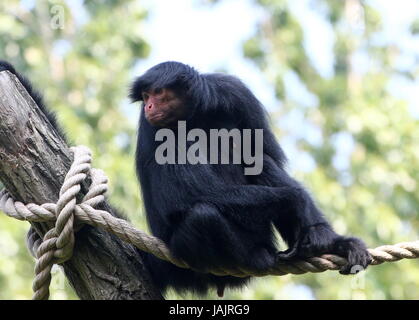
[[214, 216]]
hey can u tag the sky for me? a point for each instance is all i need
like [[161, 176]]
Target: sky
[[210, 37], [207, 37]]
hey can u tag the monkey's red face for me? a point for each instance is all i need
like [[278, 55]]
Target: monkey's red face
[[163, 107]]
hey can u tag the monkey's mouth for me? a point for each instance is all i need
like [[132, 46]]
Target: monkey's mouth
[[158, 119], [162, 119]]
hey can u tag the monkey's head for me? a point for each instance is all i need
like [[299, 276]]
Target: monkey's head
[[166, 91]]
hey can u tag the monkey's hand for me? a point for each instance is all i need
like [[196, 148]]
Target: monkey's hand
[[320, 239]]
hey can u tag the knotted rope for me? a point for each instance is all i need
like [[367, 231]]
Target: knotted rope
[[57, 245]]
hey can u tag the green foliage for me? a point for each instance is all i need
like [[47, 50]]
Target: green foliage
[[374, 193], [414, 27]]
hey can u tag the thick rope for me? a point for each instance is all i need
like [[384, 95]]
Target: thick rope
[[57, 244]]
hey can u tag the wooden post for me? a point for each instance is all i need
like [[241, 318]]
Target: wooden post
[[33, 163]]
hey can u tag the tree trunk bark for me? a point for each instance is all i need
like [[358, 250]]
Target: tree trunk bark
[[33, 163]]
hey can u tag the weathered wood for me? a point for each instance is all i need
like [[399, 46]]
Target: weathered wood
[[33, 163]]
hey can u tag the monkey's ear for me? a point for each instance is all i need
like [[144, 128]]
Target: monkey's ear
[[136, 91]]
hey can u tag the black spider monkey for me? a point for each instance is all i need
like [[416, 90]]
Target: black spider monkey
[[213, 215]]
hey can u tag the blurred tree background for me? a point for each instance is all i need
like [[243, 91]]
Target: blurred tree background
[[357, 139]]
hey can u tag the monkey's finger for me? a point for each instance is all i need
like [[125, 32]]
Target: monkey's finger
[[287, 255]]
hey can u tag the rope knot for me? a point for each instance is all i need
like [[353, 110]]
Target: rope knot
[[57, 245]]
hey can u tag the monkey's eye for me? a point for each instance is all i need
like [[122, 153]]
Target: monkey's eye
[[145, 96], [158, 90]]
